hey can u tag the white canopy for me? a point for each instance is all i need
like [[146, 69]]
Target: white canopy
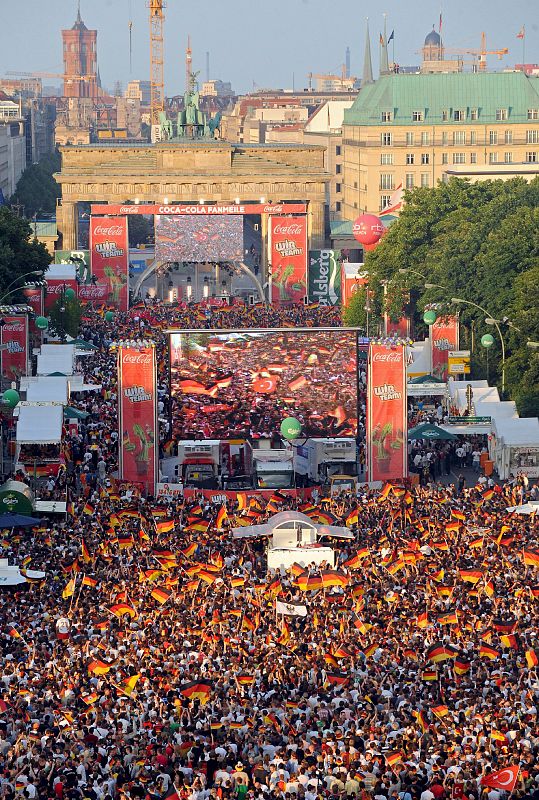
[[288, 519], [517, 432], [47, 364], [47, 389], [506, 409], [40, 423]]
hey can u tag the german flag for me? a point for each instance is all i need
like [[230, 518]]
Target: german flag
[[337, 678], [14, 633], [216, 726], [438, 652], [393, 758], [197, 690], [160, 594], [396, 566], [429, 675], [88, 509], [452, 527], [296, 569], [241, 500], [438, 576], [149, 575], [475, 544], [190, 550], [235, 726], [534, 591], [531, 557], [274, 588], [498, 736], [248, 624], [370, 650], [102, 624], [127, 685], [441, 545], [471, 575], [461, 666], [352, 517], [333, 578], [485, 651], [207, 576], [422, 620], [531, 658], [451, 618], [120, 609], [157, 513], [87, 581], [125, 541], [488, 495], [330, 659], [440, 711], [165, 526], [237, 582], [459, 515], [444, 591], [409, 653], [192, 586], [97, 667], [489, 588], [85, 553], [298, 383], [222, 514], [421, 720], [343, 652], [504, 625], [89, 699], [509, 640], [245, 680], [198, 527]]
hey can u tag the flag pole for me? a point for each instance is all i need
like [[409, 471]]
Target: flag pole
[[523, 45]]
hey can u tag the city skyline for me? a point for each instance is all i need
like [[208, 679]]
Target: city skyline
[[289, 50]]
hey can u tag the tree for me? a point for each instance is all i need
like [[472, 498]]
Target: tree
[[37, 190], [479, 242], [65, 316], [19, 252]]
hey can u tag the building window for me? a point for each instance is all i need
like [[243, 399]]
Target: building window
[[338, 188], [459, 115], [338, 169], [531, 157], [386, 158], [409, 139], [472, 137], [425, 139], [459, 158], [425, 180], [493, 158], [417, 116], [386, 180], [338, 149], [474, 114], [532, 137], [337, 206], [473, 158], [444, 158], [493, 137], [410, 158], [459, 137], [386, 116], [508, 137], [502, 114], [444, 138], [533, 113], [355, 184], [385, 200], [386, 139], [409, 180], [445, 115], [508, 158], [425, 158]]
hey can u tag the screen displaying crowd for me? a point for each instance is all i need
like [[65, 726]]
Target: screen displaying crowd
[[244, 383], [199, 238]]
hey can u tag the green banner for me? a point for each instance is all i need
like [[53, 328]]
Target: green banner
[[324, 277], [79, 259]]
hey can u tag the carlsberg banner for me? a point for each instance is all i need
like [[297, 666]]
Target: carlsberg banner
[[324, 280]]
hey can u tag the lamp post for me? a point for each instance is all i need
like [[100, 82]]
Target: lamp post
[[34, 272], [493, 321]]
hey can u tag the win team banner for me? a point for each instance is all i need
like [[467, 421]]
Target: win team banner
[[109, 255], [137, 390], [14, 337], [387, 433], [288, 260], [444, 336], [324, 277]]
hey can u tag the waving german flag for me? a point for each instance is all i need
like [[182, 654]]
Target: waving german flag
[[97, 667], [440, 652], [120, 609], [197, 690], [471, 575], [222, 514], [165, 526], [531, 557], [485, 651], [160, 594]]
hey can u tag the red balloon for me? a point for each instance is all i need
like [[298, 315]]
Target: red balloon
[[368, 229]]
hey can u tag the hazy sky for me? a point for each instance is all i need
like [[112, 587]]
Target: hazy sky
[[265, 41]]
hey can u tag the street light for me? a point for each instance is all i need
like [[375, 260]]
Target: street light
[[405, 271], [457, 300], [503, 321], [35, 272], [533, 345]]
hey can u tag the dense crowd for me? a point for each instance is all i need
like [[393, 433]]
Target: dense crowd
[[156, 658]]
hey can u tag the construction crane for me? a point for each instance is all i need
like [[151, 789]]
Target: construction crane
[[157, 80], [480, 54]]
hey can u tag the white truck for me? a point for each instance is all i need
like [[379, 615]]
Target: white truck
[[196, 466], [273, 469], [323, 462]]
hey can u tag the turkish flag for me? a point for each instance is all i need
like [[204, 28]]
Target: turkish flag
[[265, 385], [502, 779]]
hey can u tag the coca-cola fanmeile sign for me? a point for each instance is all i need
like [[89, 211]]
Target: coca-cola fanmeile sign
[[109, 250], [288, 260]]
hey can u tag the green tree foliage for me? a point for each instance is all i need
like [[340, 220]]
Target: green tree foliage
[[20, 253], [65, 316], [479, 242], [37, 189]]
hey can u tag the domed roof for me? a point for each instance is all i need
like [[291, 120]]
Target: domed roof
[[432, 39]]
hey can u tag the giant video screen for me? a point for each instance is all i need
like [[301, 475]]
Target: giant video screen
[[200, 239], [242, 384]]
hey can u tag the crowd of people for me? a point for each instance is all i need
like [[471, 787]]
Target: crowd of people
[[160, 658]]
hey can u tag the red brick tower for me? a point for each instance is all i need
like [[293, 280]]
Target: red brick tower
[[80, 60]]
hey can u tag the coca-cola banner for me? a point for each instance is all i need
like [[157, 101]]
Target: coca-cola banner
[[200, 209], [14, 341], [109, 255], [386, 413], [34, 296], [444, 336], [288, 260], [93, 293], [137, 417], [55, 287]]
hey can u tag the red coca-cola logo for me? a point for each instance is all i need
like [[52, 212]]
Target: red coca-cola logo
[[93, 292], [136, 358], [56, 288], [392, 356], [288, 230], [111, 230], [14, 327], [128, 209], [273, 209]]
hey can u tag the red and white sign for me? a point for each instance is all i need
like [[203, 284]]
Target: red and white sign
[[352, 279], [55, 288], [401, 328], [14, 337], [174, 490], [288, 237], [444, 336], [109, 258], [34, 297], [137, 417], [90, 293], [194, 209], [387, 434]]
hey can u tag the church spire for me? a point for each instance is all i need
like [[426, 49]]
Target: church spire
[[367, 59]]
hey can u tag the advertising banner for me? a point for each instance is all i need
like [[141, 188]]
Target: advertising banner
[[34, 296], [444, 336], [353, 276], [324, 277], [14, 340], [91, 293], [137, 417], [288, 237], [109, 254], [173, 491], [401, 328], [387, 433], [55, 288], [79, 258], [200, 209]]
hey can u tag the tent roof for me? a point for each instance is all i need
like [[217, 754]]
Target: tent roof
[[518, 432], [426, 379], [55, 364], [428, 431], [40, 424], [52, 389], [267, 528]]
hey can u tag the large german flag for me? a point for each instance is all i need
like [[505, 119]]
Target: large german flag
[[245, 680], [97, 667], [471, 575], [531, 557], [337, 678], [440, 652], [332, 577], [222, 514], [461, 666], [504, 625], [485, 651], [531, 658], [160, 594], [120, 609], [197, 690], [165, 526]]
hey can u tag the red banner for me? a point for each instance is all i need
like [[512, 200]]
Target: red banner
[[190, 209], [55, 288], [109, 258], [88, 293], [401, 329], [175, 491], [387, 456], [137, 416], [444, 336], [14, 338], [288, 260], [351, 282], [34, 296]]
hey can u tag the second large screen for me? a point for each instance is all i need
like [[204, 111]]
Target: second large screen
[[200, 239], [241, 384]]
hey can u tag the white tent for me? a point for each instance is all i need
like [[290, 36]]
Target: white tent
[[48, 390], [40, 423], [47, 364], [419, 362], [505, 409], [514, 446], [454, 386]]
